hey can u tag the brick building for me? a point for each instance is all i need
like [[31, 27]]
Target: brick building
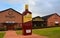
[[38, 22], [52, 20], [11, 19]]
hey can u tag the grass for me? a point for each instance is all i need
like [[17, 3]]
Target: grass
[[19, 32], [49, 32], [2, 34]]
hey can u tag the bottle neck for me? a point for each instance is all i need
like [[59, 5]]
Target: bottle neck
[[26, 9]]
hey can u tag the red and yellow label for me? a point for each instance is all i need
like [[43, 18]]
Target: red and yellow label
[[27, 18]]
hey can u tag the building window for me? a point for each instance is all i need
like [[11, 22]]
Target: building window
[[10, 21], [34, 25]]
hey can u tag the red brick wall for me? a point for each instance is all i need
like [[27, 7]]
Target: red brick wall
[[16, 17], [52, 19]]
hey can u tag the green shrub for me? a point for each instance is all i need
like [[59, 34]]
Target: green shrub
[[37, 27], [18, 28], [3, 29]]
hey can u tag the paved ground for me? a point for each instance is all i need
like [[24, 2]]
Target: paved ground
[[32, 36], [12, 34]]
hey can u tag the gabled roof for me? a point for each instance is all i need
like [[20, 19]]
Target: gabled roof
[[37, 17], [48, 16], [40, 18], [11, 9]]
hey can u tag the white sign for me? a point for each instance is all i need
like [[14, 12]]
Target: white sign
[[56, 22], [28, 31]]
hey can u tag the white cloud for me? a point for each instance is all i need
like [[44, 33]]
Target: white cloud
[[38, 7]]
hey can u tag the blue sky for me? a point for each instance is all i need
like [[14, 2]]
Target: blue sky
[[37, 7]]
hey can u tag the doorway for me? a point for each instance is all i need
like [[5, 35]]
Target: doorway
[[9, 26]]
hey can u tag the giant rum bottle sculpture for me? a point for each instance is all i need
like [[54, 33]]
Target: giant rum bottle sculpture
[[27, 21]]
